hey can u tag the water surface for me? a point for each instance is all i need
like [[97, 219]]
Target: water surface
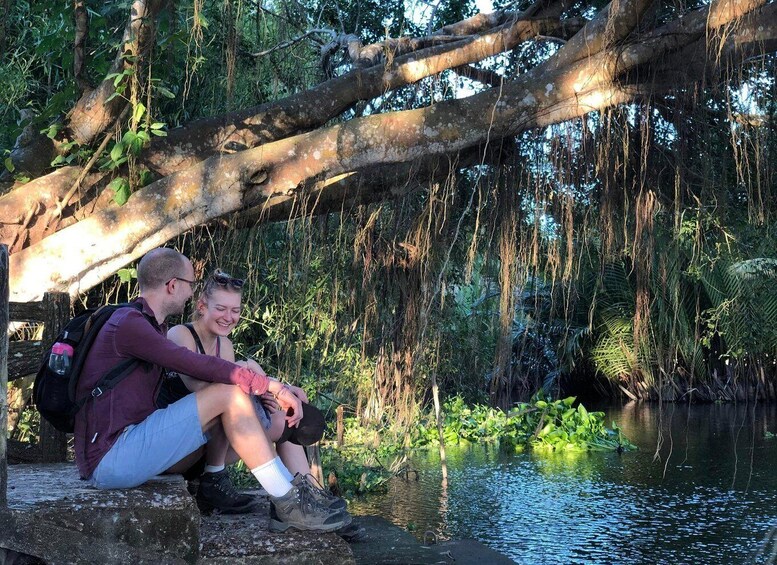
[[701, 489]]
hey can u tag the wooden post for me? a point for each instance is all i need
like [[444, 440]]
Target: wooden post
[[4, 293], [314, 460], [340, 429], [440, 434], [52, 444]]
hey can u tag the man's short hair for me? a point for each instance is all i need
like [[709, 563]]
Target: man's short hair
[[158, 266]]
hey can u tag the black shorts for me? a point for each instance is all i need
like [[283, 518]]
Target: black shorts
[[171, 390]]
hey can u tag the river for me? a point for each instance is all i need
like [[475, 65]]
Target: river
[[702, 488]]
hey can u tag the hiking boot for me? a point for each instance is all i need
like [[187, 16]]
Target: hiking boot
[[298, 509], [318, 493], [216, 493]]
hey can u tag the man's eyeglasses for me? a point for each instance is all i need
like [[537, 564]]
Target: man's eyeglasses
[[222, 278], [192, 283]]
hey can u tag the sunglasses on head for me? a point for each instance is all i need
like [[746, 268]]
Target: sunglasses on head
[[222, 278]]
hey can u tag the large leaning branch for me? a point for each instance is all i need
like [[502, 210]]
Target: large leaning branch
[[99, 245], [185, 146]]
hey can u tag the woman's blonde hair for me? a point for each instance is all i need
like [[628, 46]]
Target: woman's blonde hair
[[217, 280]]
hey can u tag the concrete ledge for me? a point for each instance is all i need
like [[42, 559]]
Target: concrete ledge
[[245, 539], [55, 516]]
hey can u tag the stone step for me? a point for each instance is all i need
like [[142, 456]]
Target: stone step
[[245, 539], [55, 516], [58, 518]]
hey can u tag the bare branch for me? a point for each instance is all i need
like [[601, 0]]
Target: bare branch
[[377, 184], [254, 126], [610, 26], [292, 42]]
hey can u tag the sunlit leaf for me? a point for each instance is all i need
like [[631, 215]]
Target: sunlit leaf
[[117, 151], [121, 190]]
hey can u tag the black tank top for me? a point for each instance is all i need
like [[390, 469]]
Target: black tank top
[[172, 387]]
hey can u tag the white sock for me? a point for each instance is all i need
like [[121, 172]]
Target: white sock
[[286, 472], [272, 478], [213, 468]]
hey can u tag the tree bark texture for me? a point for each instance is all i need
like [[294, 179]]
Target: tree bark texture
[[79, 45], [266, 156], [4, 281]]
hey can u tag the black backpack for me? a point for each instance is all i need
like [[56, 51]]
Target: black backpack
[[55, 395]]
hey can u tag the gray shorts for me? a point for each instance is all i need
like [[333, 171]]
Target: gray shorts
[[261, 412], [151, 447]]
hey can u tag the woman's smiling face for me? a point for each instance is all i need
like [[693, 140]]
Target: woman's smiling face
[[221, 312]]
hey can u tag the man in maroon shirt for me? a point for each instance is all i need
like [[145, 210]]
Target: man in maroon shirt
[[122, 439]]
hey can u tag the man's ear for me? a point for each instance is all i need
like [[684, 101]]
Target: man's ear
[[170, 287]]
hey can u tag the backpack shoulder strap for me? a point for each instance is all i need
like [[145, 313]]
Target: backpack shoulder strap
[[91, 329], [111, 379]]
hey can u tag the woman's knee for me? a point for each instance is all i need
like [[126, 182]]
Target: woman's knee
[[277, 425]]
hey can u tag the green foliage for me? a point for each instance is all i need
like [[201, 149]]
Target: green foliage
[[744, 305], [16, 72], [614, 353], [541, 424], [126, 275], [37, 70], [360, 470], [27, 427], [374, 454], [121, 190], [718, 301], [546, 343]]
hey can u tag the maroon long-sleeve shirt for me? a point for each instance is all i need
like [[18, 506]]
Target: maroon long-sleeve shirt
[[127, 334]]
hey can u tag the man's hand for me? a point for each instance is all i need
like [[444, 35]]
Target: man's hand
[[269, 402], [291, 404]]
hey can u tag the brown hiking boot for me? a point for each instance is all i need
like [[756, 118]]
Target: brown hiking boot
[[298, 509]]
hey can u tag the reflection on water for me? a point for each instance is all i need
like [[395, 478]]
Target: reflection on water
[[701, 489]]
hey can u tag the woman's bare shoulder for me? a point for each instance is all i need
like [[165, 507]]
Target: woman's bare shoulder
[[181, 335], [227, 349], [226, 344]]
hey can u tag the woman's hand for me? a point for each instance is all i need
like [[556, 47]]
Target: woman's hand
[[299, 393], [289, 403], [270, 403], [253, 365]]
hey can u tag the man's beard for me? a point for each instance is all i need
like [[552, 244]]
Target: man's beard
[[175, 309]]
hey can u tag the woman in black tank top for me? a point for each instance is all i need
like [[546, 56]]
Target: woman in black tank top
[[218, 308]]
